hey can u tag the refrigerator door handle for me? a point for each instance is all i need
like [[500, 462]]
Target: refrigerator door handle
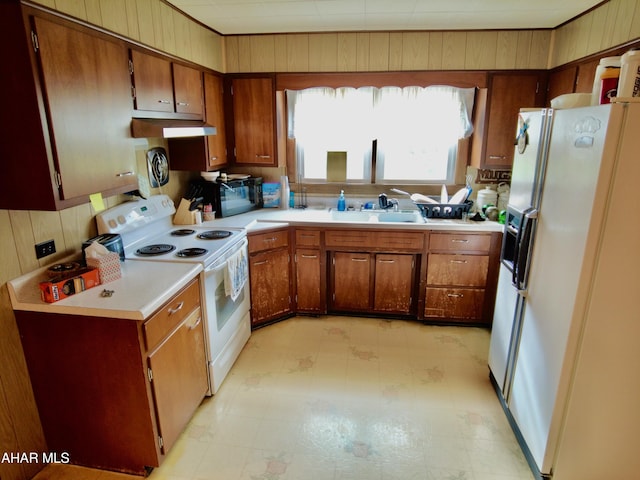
[[522, 250]]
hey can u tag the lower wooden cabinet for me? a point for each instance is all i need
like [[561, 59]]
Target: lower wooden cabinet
[[394, 283], [309, 288], [373, 282], [116, 393], [443, 276], [269, 275], [461, 275], [351, 274]]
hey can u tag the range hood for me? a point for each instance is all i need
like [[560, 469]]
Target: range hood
[[163, 128]]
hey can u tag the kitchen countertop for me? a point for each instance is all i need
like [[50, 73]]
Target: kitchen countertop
[[134, 296], [265, 218]]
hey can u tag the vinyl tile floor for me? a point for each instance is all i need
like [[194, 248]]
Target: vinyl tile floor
[[337, 398]]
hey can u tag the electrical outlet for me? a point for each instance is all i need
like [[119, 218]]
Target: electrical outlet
[[45, 248]]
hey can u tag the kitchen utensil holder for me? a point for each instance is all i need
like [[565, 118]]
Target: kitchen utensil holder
[[444, 210]]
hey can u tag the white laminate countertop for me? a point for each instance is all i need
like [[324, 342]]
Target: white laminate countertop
[[143, 288], [265, 218]]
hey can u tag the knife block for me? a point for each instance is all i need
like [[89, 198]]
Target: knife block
[[183, 216]]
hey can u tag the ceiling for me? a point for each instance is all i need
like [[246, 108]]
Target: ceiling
[[279, 16]]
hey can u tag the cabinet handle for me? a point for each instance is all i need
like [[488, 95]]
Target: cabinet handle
[[164, 101], [386, 261], [213, 158], [455, 295], [353, 259], [124, 174], [309, 256], [195, 325], [263, 156], [182, 104], [497, 157], [307, 235], [177, 309], [260, 263], [272, 239], [460, 240], [457, 261]]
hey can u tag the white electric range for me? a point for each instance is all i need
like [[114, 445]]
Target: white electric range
[[148, 235]]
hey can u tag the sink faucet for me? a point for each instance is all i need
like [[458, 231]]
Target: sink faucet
[[387, 203]]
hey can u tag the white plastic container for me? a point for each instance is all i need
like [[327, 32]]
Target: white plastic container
[[284, 192], [605, 63], [629, 85], [486, 196]]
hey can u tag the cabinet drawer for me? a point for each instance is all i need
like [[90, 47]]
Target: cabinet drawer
[[454, 303], [308, 238], [268, 240], [378, 240], [462, 270], [171, 314], [453, 242]]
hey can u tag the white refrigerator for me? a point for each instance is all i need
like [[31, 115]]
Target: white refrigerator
[[564, 354]]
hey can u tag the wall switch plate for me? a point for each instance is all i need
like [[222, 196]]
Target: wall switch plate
[[45, 248]]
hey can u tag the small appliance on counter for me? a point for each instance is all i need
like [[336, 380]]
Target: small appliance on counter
[[112, 241], [229, 197]]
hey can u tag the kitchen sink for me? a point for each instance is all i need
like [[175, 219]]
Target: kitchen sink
[[409, 216], [350, 216], [404, 217]]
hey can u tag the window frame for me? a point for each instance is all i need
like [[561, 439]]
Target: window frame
[[300, 81]]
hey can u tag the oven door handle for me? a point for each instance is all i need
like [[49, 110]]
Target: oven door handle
[[216, 268]]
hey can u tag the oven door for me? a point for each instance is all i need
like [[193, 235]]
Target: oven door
[[228, 320]]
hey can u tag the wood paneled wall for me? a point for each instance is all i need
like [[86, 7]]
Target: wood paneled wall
[[151, 22], [611, 24], [388, 51], [156, 24]]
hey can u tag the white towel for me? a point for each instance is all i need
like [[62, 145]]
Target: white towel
[[236, 274]]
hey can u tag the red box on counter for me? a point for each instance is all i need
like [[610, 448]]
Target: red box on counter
[[64, 286]]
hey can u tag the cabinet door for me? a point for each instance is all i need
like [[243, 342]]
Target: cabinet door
[[394, 280], [454, 303], [254, 121], [270, 283], [179, 377], [308, 280], [87, 89], [214, 115], [460, 270], [153, 82], [351, 281], [187, 87], [509, 93], [561, 82]]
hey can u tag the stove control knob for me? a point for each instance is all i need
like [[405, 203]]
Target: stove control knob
[[121, 220], [112, 223]]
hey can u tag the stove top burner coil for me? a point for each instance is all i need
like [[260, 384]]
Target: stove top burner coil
[[156, 249], [214, 234], [191, 252], [182, 232]]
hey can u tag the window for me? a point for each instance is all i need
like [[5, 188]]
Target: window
[[413, 130]]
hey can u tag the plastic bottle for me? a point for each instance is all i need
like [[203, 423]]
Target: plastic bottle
[[597, 79], [629, 85], [341, 202], [292, 200], [284, 192]]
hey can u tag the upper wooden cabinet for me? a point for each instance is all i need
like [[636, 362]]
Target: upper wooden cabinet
[[573, 79], [66, 112], [508, 93], [254, 125], [162, 87], [204, 153]]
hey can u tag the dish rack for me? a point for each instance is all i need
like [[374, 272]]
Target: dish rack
[[444, 210]]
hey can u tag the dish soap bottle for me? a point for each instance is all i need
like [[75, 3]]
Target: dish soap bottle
[[341, 203]]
